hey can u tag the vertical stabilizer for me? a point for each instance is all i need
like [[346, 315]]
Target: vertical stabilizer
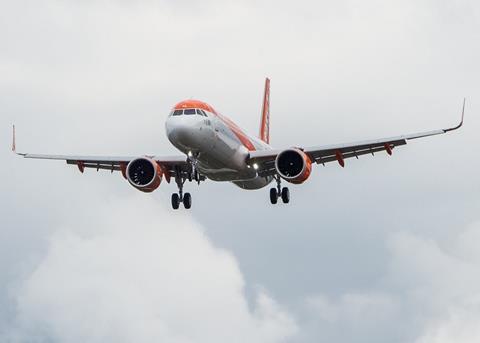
[[265, 123]]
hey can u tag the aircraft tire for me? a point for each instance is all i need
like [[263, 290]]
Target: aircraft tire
[[187, 200], [285, 195], [175, 201], [273, 196]]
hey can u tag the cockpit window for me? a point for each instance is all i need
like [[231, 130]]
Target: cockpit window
[[189, 111], [177, 113]]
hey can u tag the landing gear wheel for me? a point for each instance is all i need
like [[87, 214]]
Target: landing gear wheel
[[273, 196], [175, 201], [187, 200], [285, 195]]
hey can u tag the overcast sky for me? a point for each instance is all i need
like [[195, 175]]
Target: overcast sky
[[384, 250]]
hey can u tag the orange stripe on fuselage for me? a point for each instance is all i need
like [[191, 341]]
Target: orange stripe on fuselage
[[238, 132], [244, 139]]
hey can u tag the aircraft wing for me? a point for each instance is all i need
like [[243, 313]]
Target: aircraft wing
[[170, 164], [265, 159]]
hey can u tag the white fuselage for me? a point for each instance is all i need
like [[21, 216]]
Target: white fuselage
[[218, 146]]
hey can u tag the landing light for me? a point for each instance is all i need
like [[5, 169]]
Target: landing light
[[190, 154], [255, 166]]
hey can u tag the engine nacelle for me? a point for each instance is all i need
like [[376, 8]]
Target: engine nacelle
[[293, 165], [144, 174]]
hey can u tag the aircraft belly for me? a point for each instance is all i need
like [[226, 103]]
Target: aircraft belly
[[256, 183]]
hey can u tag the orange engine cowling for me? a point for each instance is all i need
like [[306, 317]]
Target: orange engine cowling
[[144, 174], [293, 165]]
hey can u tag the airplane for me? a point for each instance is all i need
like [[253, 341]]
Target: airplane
[[215, 148]]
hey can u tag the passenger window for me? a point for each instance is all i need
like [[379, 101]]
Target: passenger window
[[190, 111], [177, 112]]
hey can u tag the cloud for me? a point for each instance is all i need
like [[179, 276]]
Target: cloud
[[353, 307], [429, 294], [461, 326], [441, 284], [143, 275], [352, 316]]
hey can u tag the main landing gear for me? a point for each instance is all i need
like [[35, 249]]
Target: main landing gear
[[279, 192], [177, 198]]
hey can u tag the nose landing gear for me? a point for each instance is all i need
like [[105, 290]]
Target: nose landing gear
[[279, 192], [187, 201], [179, 197]]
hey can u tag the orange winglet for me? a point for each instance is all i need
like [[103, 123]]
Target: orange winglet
[[340, 159], [388, 148], [81, 166]]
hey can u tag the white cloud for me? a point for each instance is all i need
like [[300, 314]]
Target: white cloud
[[430, 294], [141, 273], [441, 284], [461, 326], [353, 307], [353, 316]]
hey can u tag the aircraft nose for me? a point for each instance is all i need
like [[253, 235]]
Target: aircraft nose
[[177, 130], [180, 131]]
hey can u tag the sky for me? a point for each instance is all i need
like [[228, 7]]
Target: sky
[[383, 250]]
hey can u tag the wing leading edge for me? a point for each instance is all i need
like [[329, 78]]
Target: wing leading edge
[[265, 159], [171, 164]]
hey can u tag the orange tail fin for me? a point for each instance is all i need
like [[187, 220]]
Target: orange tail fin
[[265, 123]]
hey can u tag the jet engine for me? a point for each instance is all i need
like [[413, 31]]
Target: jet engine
[[293, 165], [144, 174]]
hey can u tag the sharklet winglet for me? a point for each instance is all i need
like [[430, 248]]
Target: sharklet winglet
[[461, 121], [14, 142]]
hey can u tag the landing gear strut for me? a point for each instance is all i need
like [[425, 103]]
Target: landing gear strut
[[179, 197], [192, 158], [279, 192]]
